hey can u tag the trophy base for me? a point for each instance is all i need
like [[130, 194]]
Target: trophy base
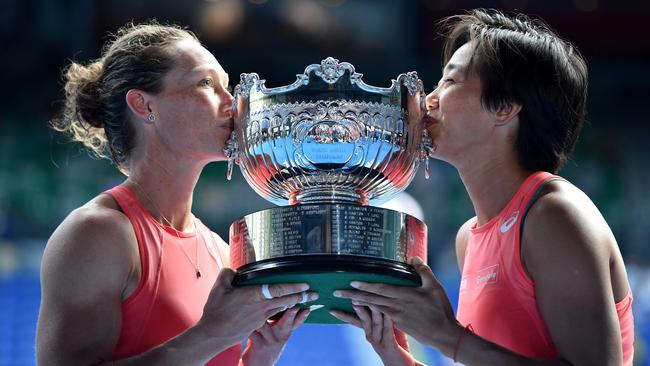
[[325, 273]]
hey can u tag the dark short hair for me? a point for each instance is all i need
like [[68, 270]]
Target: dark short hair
[[137, 57], [521, 60]]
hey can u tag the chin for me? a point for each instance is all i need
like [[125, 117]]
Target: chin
[[216, 157], [222, 137]]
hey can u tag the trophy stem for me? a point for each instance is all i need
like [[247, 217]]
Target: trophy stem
[[328, 194]]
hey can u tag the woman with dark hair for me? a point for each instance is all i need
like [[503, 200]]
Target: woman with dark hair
[[133, 277], [543, 281]]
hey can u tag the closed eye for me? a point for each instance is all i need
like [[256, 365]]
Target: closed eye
[[444, 82]]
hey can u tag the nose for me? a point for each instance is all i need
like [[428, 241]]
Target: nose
[[432, 100], [227, 98]]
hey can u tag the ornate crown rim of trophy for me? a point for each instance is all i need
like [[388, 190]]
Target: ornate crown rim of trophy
[[327, 145]]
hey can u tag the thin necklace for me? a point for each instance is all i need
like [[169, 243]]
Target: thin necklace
[[178, 235]]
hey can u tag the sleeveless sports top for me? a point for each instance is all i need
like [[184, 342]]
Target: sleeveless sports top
[[497, 297], [170, 297]]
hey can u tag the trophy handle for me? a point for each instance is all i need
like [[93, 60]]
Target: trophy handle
[[427, 148], [412, 82], [416, 89], [231, 150]]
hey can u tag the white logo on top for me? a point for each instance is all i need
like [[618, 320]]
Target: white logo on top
[[487, 276], [510, 222]]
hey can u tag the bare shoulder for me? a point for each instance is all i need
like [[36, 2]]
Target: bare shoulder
[[461, 241], [95, 238], [565, 227], [564, 211]]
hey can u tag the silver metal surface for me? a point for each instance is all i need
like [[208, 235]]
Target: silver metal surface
[[328, 137], [336, 229], [328, 145]]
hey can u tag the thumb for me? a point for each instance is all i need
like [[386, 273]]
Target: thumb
[[221, 285], [425, 272], [225, 278]]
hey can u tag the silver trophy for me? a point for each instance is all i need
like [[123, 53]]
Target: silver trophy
[[324, 148]]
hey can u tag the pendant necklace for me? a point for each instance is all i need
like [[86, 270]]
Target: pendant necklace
[[165, 221]]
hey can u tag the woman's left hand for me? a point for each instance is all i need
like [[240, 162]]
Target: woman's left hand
[[423, 312], [389, 343], [266, 343]]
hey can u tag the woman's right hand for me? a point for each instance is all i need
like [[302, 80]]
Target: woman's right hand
[[235, 312]]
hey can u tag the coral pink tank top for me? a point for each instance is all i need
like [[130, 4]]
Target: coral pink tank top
[[497, 297], [170, 297]]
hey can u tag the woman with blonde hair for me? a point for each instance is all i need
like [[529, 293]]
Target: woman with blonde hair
[[133, 277]]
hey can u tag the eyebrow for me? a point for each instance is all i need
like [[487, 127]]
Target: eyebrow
[[202, 69], [452, 67]]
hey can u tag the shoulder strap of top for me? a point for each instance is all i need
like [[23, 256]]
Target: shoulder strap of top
[[537, 195], [124, 198]]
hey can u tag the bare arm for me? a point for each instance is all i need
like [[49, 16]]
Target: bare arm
[[568, 249], [85, 268]]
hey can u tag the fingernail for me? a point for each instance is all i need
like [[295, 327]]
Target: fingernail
[[337, 293], [316, 307], [313, 296], [355, 302], [355, 284], [303, 287]]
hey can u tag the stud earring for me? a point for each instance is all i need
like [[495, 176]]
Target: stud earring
[[151, 117]]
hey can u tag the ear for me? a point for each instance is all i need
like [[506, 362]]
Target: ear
[[506, 113], [139, 103]]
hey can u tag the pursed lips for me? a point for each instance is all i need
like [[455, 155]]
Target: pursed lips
[[428, 121]]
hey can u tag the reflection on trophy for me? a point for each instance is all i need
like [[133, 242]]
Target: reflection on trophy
[[324, 148]]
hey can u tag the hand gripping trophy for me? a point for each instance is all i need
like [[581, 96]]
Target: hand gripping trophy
[[324, 148]]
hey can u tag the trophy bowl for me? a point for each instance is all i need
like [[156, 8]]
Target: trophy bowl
[[324, 148]]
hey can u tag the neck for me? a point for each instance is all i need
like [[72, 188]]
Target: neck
[[165, 189], [491, 185]]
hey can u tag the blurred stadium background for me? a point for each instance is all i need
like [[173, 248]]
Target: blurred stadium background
[[43, 176]]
